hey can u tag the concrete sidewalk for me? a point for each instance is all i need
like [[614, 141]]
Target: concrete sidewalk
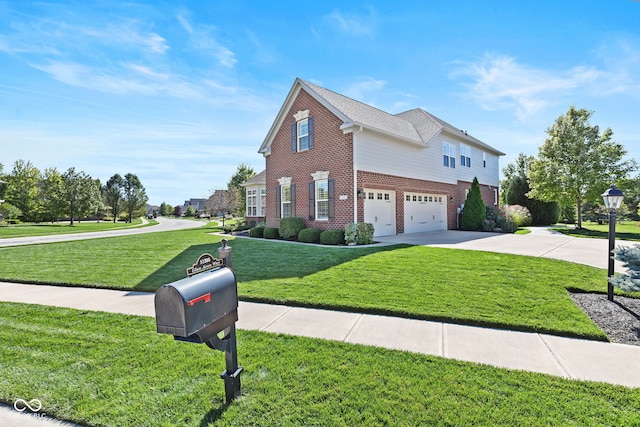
[[564, 357]]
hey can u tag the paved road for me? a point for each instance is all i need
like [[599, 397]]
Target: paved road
[[164, 224]]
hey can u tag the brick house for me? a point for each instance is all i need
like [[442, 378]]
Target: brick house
[[332, 160]]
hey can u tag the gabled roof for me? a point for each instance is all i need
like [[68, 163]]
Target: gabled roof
[[414, 126], [260, 178]]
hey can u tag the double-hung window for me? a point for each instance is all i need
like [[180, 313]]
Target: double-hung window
[[285, 201], [303, 135], [322, 199], [465, 155], [449, 155], [263, 200], [321, 202], [252, 201], [302, 132]]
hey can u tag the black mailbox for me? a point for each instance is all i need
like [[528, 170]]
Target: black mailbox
[[199, 307]]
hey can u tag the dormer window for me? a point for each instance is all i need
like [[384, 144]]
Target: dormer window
[[302, 132]]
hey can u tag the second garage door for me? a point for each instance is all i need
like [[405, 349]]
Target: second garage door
[[424, 212]]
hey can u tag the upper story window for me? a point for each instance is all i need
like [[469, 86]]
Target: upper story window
[[303, 135], [465, 155], [449, 155], [484, 160], [302, 132]]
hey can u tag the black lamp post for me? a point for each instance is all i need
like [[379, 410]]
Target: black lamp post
[[612, 200]]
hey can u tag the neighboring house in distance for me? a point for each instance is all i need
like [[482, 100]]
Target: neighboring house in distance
[[199, 205], [332, 160], [256, 192]]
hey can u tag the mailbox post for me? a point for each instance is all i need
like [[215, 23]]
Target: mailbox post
[[203, 308]]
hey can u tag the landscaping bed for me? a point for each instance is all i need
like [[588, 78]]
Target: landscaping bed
[[619, 319]]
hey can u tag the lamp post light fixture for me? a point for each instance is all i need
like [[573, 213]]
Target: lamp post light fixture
[[612, 200]]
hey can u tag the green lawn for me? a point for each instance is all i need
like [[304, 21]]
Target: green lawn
[[42, 229], [104, 369], [626, 230], [466, 287]]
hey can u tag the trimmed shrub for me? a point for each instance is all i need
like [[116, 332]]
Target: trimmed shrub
[[309, 235], [291, 227], [360, 233], [271, 233], [332, 237], [256, 232], [506, 224]]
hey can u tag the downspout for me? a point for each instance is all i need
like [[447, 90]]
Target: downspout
[[355, 178]]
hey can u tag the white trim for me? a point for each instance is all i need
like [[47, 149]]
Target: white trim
[[320, 175], [301, 115], [285, 180]]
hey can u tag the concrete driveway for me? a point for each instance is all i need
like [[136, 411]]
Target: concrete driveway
[[541, 242]]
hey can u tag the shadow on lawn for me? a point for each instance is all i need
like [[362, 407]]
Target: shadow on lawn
[[260, 259], [213, 415]]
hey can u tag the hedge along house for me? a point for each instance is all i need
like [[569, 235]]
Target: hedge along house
[[332, 160]]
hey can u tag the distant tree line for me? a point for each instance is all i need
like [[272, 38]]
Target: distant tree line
[[31, 195]]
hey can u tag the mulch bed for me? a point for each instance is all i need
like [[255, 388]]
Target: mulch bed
[[619, 319]]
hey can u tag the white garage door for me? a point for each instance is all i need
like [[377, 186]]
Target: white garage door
[[424, 212], [380, 210]]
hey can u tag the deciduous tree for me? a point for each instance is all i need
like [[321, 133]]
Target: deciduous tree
[[22, 189], [135, 196], [113, 193], [242, 174], [577, 162]]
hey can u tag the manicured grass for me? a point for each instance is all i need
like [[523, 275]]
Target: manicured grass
[[626, 230], [104, 369], [41, 229], [469, 287]]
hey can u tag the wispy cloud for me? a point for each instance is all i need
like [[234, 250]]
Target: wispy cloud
[[363, 87], [354, 23], [202, 39], [500, 82]]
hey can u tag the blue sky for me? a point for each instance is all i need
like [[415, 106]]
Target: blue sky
[[181, 92]]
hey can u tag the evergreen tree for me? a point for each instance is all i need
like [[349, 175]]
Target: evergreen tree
[[474, 208], [630, 258]]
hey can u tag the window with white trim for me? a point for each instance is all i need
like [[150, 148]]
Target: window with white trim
[[263, 200], [252, 202], [449, 155], [484, 160], [322, 199], [303, 135], [285, 201], [465, 155]]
